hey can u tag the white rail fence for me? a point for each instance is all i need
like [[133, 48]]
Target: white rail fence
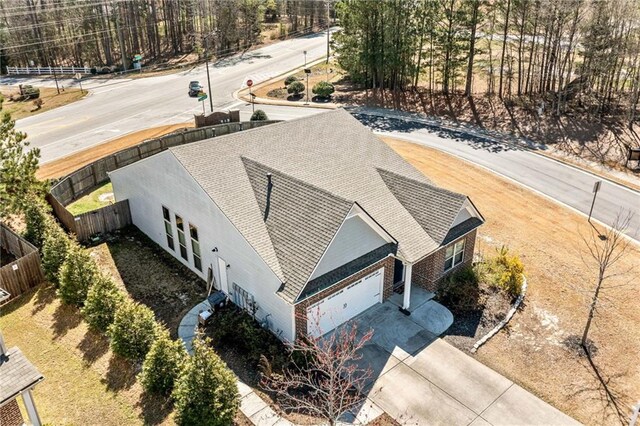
[[48, 70]]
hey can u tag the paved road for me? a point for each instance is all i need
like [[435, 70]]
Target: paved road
[[119, 106], [556, 180]]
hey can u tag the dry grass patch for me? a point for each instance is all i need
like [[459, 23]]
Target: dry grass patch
[[532, 351], [70, 163], [85, 383], [49, 96]]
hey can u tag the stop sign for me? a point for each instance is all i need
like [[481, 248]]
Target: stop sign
[[249, 83]]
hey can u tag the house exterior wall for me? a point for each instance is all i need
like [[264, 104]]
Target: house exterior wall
[[161, 181], [354, 239], [301, 308], [10, 414], [429, 272]]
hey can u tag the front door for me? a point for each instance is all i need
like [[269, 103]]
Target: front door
[[222, 270]]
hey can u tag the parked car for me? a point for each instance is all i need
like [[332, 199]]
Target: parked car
[[194, 88]]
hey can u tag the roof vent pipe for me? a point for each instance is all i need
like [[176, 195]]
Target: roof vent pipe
[[268, 205]]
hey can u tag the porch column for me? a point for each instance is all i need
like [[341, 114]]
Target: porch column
[[407, 288], [34, 418]]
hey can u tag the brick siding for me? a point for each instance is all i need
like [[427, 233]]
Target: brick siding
[[10, 414], [301, 308], [429, 272]]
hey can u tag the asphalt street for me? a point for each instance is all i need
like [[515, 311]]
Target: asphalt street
[[119, 106]]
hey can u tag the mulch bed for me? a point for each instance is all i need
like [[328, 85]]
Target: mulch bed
[[470, 326], [150, 275]]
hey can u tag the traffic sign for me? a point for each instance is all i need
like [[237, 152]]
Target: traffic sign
[[202, 97], [249, 82], [137, 58]]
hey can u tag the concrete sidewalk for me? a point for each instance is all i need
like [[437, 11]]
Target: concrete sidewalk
[[419, 378]]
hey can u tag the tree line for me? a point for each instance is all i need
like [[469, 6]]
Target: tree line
[[110, 32], [588, 50]]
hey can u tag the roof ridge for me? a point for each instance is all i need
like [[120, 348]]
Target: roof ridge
[[429, 184], [295, 179]]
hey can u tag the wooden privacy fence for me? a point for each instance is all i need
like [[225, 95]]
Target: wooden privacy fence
[[88, 178], [25, 272]]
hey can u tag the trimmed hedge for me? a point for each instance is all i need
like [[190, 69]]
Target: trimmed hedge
[[290, 79], [323, 89], [295, 88], [259, 115]]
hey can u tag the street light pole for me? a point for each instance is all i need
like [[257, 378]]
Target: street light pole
[[305, 58], [328, 15]]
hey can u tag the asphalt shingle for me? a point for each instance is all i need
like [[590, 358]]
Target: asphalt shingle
[[16, 374], [332, 160]]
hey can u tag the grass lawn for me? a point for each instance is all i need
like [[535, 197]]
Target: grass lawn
[[101, 197], [50, 100], [532, 351], [85, 384]]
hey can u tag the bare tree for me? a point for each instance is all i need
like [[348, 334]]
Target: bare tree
[[605, 251], [326, 382]]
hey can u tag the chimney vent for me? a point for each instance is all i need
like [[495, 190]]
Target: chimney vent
[[268, 205]]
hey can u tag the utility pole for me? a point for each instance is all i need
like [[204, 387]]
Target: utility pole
[[55, 77], [123, 52], [328, 25], [206, 54]]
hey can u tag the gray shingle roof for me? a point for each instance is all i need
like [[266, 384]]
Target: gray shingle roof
[[301, 221], [16, 374], [328, 153], [434, 208]]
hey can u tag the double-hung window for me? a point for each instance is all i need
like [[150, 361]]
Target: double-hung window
[[182, 241], [454, 254], [195, 247], [168, 228]]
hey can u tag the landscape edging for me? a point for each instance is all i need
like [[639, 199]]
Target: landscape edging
[[506, 319]]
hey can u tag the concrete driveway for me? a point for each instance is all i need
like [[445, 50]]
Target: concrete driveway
[[420, 379]]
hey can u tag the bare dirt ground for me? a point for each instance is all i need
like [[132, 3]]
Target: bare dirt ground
[[66, 165], [150, 275], [532, 351]]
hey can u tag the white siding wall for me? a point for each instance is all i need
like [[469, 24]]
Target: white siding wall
[[354, 239], [161, 181]]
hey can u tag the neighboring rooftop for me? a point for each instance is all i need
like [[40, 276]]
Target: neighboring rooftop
[[320, 165], [17, 374]]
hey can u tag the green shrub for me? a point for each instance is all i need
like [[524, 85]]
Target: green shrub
[[506, 272], [133, 330], [259, 115], [101, 304], [37, 218], [55, 246], [290, 79], [162, 364], [460, 291], [206, 392], [295, 88], [323, 89], [240, 331], [77, 273]]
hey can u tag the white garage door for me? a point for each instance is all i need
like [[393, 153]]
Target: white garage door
[[344, 304]]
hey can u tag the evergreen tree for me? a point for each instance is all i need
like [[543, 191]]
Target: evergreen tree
[[206, 392], [162, 364]]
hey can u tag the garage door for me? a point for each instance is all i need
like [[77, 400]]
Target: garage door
[[344, 304]]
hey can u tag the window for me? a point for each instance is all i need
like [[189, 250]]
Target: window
[[181, 238], [453, 255], [195, 247], [168, 229]]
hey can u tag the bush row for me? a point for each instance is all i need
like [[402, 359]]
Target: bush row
[[201, 386], [323, 89]]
